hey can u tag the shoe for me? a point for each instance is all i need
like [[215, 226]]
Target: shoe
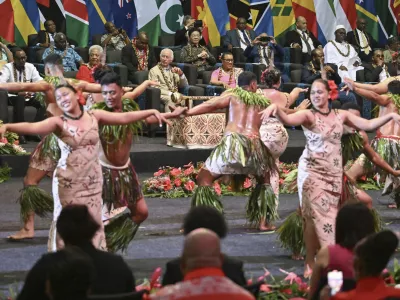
[[33, 138], [22, 140]]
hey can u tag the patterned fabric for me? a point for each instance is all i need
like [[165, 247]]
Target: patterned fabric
[[320, 175], [196, 132], [70, 57], [115, 43], [44, 158], [78, 178]]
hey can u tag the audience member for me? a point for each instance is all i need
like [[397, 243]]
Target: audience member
[[353, 223], [77, 227], [86, 70], [378, 70], [194, 53], [260, 50], [226, 75], [204, 278], [212, 219], [138, 56], [391, 55], [114, 39], [302, 39], [312, 70], [362, 41], [342, 54], [239, 37], [45, 38], [69, 56], [70, 276], [19, 71], [170, 79], [371, 255], [181, 35]]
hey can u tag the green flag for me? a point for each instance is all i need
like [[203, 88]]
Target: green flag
[[158, 17], [388, 23]]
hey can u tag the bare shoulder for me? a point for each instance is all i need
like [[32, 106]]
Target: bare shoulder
[[322, 258]]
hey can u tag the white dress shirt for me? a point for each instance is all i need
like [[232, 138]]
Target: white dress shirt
[[303, 43], [31, 74], [363, 40], [243, 45]]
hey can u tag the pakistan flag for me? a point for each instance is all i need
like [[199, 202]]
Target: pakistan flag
[[158, 17]]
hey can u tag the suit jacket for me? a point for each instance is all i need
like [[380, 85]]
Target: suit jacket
[[351, 39], [371, 74], [113, 275], [293, 37], [232, 268], [129, 59], [156, 75], [252, 55], [232, 37], [42, 37], [182, 40], [308, 76]]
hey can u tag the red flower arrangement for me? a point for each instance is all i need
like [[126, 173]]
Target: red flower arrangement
[[333, 93]]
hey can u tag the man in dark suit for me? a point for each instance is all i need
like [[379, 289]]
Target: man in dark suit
[[302, 39], [77, 227], [378, 71], [239, 37], [312, 70], [362, 41], [138, 56], [209, 218], [46, 37], [181, 35]]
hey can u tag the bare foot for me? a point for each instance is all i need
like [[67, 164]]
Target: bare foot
[[297, 257], [392, 205], [267, 227], [22, 234]]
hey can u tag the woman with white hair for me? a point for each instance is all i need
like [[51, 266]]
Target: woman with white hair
[[86, 70]]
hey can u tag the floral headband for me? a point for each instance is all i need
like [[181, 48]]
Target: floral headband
[[333, 93]]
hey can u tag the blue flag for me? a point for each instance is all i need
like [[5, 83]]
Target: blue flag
[[262, 20], [99, 12], [124, 13]]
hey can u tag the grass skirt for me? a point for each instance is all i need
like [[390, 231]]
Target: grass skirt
[[119, 232], [290, 234], [34, 199], [261, 205], [206, 196]]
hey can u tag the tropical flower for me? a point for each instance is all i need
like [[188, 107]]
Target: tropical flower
[[175, 172], [159, 173], [189, 185], [217, 188]]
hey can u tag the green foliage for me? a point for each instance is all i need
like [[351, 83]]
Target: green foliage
[[249, 98]]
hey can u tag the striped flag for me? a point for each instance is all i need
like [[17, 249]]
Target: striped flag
[[261, 14], [283, 17], [217, 20], [52, 10], [386, 19], [99, 12], [306, 9], [124, 14], [395, 6], [346, 14], [239, 9], [26, 20], [6, 20], [197, 12], [77, 21], [326, 19], [366, 10]]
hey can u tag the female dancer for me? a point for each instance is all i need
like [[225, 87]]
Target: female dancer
[[320, 166], [77, 177]]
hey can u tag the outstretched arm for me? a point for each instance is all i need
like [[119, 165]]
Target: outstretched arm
[[13, 87], [109, 118], [303, 117], [379, 88], [375, 158], [178, 111], [381, 100], [211, 105], [295, 94], [140, 89], [42, 128], [85, 86], [367, 125]]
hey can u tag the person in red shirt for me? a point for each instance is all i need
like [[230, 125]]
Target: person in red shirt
[[86, 71], [203, 276], [371, 256]]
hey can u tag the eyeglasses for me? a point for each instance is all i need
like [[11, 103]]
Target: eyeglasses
[[379, 56]]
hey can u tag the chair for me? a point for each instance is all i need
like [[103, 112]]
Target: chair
[[189, 70], [113, 56], [83, 52], [255, 68], [360, 76], [70, 74], [238, 56], [39, 55], [295, 76], [96, 39], [128, 296], [31, 40], [207, 77]]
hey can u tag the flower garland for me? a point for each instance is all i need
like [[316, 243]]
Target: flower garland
[[396, 100], [171, 84], [358, 40], [268, 52], [142, 56], [9, 144], [15, 74], [231, 75], [249, 98], [340, 52]]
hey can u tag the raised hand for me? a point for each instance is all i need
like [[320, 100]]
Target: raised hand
[[304, 104], [160, 118], [269, 111], [179, 111]]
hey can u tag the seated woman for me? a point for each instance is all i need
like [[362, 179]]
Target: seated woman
[[226, 75], [194, 53], [5, 55], [353, 223], [86, 70]]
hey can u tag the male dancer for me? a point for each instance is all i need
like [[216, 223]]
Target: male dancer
[[241, 151]]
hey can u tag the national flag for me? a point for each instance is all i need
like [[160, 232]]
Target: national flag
[[52, 10], [124, 14], [26, 20], [366, 10], [99, 12], [283, 17], [159, 17], [386, 19], [217, 20], [326, 19], [395, 6], [261, 16], [239, 9], [346, 14], [6, 20], [306, 9], [77, 21], [197, 12]]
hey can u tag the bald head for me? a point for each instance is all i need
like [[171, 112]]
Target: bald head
[[361, 24], [202, 249], [301, 23], [142, 40]]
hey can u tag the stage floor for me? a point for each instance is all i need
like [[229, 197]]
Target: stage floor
[[158, 239]]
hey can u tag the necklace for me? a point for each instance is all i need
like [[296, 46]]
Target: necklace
[[231, 75], [322, 113], [171, 84], [142, 56], [358, 40], [341, 53], [16, 79], [74, 118]]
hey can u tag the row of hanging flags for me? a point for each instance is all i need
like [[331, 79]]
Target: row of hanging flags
[[81, 19]]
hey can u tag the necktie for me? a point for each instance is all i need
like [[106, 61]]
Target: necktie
[[265, 56], [246, 39], [306, 41], [366, 50]]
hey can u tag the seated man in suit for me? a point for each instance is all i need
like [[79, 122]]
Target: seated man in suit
[[362, 41], [209, 218], [170, 79], [114, 39], [138, 56], [378, 71], [302, 39], [181, 35], [46, 37], [239, 37], [69, 56], [312, 70]]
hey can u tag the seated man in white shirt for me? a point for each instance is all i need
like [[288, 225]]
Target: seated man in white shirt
[[170, 79], [342, 54], [19, 71]]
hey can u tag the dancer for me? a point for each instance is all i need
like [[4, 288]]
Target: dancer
[[241, 151], [121, 188], [77, 177], [272, 132], [320, 166]]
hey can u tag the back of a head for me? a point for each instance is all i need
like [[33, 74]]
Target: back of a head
[[53, 59], [71, 274], [76, 226], [374, 253], [245, 78], [351, 105], [111, 78], [353, 223], [205, 217], [394, 87], [101, 71], [270, 77]]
